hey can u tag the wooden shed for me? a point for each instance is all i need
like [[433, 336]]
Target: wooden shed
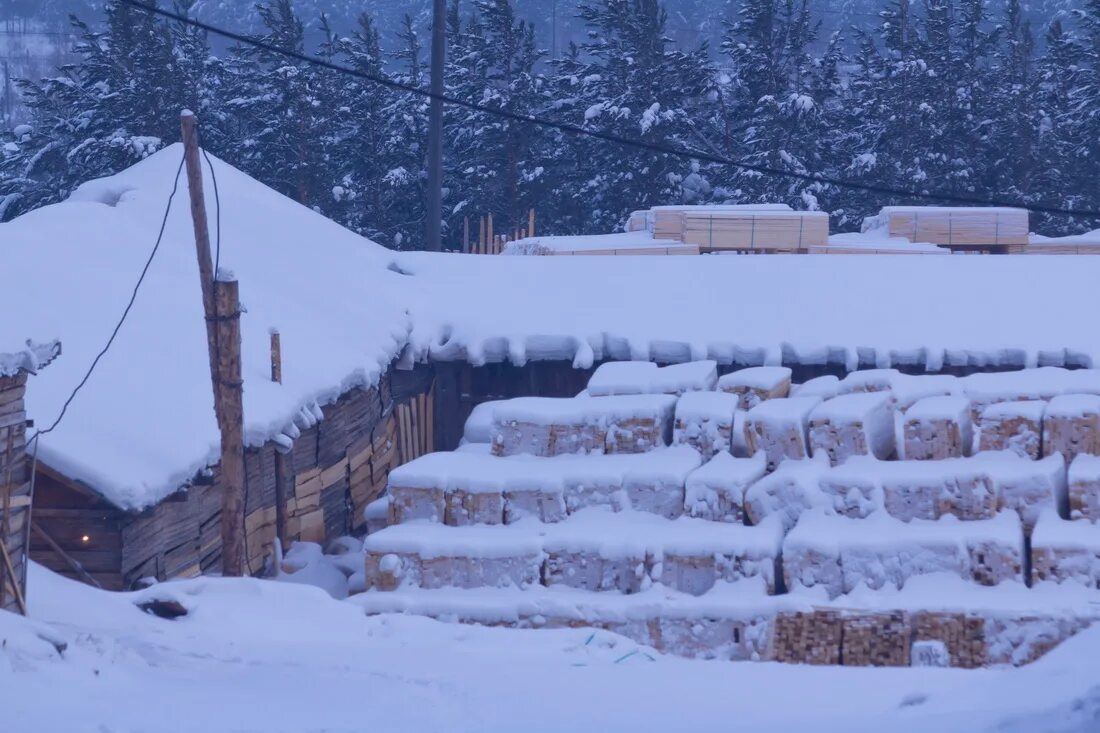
[[313, 488], [15, 473]]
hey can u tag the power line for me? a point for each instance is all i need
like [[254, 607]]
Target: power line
[[125, 313], [607, 136]]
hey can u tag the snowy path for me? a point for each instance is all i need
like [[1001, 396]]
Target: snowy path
[[263, 656]]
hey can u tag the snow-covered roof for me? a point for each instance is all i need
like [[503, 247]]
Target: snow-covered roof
[[145, 423], [30, 359], [930, 312]]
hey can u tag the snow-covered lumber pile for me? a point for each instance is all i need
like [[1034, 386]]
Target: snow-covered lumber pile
[[841, 554], [667, 222], [777, 231], [1084, 488], [1012, 426], [959, 226], [644, 377], [546, 426], [468, 487], [935, 428], [705, 420], [968, 489], [780, 428], [793, 488], [436, 556], [756, 384], [1066, 551], [857, 424], [1071, 425], [595, 550], [716, 490]]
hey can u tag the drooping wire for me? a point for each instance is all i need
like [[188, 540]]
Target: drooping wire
[[125, 312], [608, 136], [37, 437]]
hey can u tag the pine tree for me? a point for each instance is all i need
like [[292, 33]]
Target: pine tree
[[629, 81], [119, 103], [782, 99]]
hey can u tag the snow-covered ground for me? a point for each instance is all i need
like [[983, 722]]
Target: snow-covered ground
[[256, 655]]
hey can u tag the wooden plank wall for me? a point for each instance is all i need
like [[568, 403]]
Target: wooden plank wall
[[79, 535], [334, 469], [14, 493]]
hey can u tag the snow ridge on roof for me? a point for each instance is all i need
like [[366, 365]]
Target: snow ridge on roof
[[31, 359]]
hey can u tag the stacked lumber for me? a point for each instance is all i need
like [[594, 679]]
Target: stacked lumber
[[794, 231], [704, 420], [808, 637], [841, 554], [875, 639], [936, 428], [1013, 426], [780, 428], [968, 226], [1065, 551], [1071, 425], [667, 222], [716, 491], [857, 424], [962, 635], [549, 427], [1084, 488], [756, 384]]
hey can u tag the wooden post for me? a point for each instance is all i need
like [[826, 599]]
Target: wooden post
[[223, 331], [489, 236], [284, 487], [276, 357], [530, 222], [466, 234], [227, 304], [481, 233], [189, 125]]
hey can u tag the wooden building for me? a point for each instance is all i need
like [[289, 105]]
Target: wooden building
[[15, 473], [315, 488]]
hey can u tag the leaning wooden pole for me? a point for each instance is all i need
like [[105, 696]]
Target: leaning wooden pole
[[223, 336], [231, 421]]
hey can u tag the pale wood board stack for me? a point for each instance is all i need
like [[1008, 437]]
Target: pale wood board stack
[[959, 226], [792, 231]]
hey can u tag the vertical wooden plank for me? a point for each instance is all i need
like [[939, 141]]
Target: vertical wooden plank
[[466, 234], [489, 235], [429, 445], [531, 222], [276, 357]]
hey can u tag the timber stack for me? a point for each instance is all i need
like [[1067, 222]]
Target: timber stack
[[16, 484]]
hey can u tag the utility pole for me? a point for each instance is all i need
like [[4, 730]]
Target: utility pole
[[433, 236], [221, 306]]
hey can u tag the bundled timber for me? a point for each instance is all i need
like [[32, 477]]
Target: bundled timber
[[965, 227], [779, 231]]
